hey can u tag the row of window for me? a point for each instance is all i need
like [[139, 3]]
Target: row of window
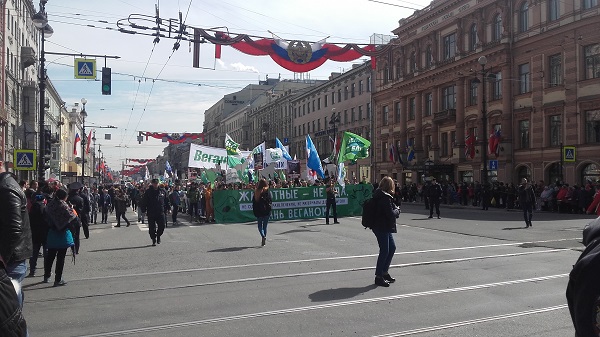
[[448, 139], [335, 96], [449, 42], [555, 78], [592, 130], [354, 115]]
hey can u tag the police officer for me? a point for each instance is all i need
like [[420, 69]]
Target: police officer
[[330, 203], [434, 196]]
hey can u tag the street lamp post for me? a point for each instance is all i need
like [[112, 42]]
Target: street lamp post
[[83, 115], [100, 160], [94, 156], [40, 21], [335, 119], [484, 144]]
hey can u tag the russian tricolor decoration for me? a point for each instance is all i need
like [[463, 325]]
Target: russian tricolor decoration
[[172, 138], [470, 146], [295, 55], [494, 143], [75, 147]]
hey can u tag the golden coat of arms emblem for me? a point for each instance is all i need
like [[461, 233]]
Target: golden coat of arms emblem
[[299, 52]]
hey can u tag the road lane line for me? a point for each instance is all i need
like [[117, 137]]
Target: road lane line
[[315, 260], [320, 306], [473, 321], [273, 277]]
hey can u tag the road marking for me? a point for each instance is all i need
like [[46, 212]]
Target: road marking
[[321, 306], [273, 277], [315, 260], [474, 321]]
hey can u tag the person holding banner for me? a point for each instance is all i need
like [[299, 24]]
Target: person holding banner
[[261, 206], [331, 203]]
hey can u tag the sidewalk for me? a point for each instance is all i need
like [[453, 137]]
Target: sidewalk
[[459, 206]]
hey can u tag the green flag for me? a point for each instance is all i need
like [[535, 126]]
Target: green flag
[[282, 174], [353, 147], [233, 148], [204, 177], [243, 176], [211, 176], [232, 161]]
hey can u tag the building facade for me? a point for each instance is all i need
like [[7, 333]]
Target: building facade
[[343, 103], [531, 72], [214, 129]]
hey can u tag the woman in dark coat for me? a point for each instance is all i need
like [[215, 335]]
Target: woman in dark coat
[[62, 222], [383, 227], [120, 207], [261, 206]]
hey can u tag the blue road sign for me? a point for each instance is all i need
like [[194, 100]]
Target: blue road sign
[[85, 68], [493, 165], [24, 160], [285, 140]]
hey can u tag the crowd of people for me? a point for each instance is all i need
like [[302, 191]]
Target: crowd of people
[[558, 197]]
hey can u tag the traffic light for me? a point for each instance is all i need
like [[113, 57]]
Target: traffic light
[[106, 82], [47, 143], [47, 162]]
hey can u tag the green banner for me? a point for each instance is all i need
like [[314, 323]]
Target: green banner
[[233, 206]]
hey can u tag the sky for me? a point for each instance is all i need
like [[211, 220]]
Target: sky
[[156, 89]]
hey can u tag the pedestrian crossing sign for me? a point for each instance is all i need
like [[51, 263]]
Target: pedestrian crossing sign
[[569, 154], [24, 160], [85, 68]]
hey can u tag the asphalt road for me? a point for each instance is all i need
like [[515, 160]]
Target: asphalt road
[[472, 273]]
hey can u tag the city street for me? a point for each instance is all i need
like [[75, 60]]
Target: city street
[[472, 273]]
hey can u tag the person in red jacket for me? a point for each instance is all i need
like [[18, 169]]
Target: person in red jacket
[[561, 198], [594, 207]]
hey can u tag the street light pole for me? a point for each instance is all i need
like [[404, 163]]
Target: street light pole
[[335, 119], [83, 114], [484, 144], [40, 21], [94, 156]]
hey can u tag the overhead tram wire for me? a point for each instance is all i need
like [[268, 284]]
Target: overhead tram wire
[[159, 79], [395, 5], [175, 48]]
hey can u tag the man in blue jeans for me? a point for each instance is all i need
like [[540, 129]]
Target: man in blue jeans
[[15, 233]]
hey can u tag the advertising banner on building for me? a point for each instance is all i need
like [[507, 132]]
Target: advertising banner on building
[[234, 206]]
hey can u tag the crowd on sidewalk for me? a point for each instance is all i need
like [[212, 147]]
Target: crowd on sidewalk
[[559, 197]]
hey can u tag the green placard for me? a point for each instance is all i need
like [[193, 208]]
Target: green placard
[[233, 206]]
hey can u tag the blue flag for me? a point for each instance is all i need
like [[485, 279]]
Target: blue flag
[[284, 152], [411, 150], [313, 162], [168, 167]]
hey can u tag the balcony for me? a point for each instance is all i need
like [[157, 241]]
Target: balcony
[[27, 57], [445, 116], [29, 84]]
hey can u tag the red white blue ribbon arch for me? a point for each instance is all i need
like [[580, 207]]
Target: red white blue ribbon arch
[[173, 138], [297, 56]]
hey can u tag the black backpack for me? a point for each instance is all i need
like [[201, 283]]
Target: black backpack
[[583, 293], [369, 213]]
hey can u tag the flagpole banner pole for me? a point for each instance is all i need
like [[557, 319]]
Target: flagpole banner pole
[[235, 206]]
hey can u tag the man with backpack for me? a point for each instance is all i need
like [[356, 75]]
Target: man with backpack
[[583, 293]]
